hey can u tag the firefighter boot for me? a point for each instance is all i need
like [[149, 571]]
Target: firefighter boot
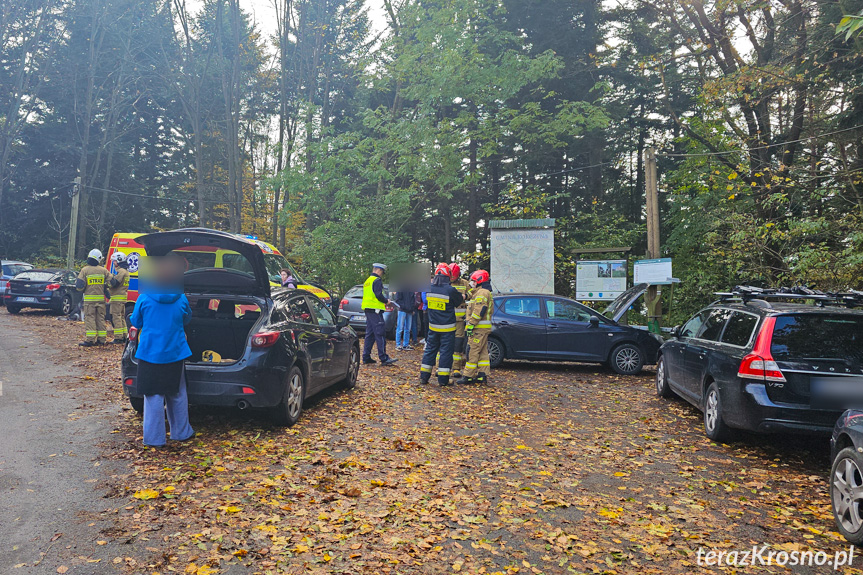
[[463, 380], [482, 377]]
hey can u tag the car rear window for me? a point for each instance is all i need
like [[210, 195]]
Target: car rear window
[[197, 260], [739, 329], [15, 269], [818, 336], [356, 291], [36, 276]]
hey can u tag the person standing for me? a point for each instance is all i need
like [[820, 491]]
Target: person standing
[[477, 329], [118, 289], [160, 316], [458, 354], [442, 300], [91, 281], [407, 303], [374, 304], [417, 326]]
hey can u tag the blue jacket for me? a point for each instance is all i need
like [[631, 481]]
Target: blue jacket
[[442, 299], [160, 319], [406, 300]]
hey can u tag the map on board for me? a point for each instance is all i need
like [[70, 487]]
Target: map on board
[[522, 260]]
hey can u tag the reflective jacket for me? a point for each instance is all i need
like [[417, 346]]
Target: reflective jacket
[[118, 287], [480, 308], [442, 300], [373, 294], [91, 281], [463, 288]]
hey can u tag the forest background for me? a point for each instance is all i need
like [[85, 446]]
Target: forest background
[[345, 143]]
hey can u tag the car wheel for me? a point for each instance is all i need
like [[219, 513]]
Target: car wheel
[[714, 425], [137, 404], [350, 380], [496, 353], [66, 305], [12, 308], [663, 389], [627, 359], [846, 494], [287, 413]]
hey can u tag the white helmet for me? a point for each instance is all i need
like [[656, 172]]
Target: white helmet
[[95, 254], [118, 257]]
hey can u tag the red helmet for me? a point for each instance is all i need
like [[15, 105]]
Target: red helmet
[[479, 276], [442, 269], [455, 271]]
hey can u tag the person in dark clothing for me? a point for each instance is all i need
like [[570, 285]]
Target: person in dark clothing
[[407, 303], [442, 300], [418, 325], [374, 304]]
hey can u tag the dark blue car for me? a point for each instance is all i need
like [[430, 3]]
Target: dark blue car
[[846, 475], [51, 289], [547, 327]]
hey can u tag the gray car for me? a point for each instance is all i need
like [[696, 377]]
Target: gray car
[[351, 308], [8, 270]]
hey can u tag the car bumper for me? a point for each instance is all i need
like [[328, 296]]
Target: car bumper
[[43, 302], [756, 412]]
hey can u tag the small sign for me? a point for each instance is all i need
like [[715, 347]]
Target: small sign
[[654, 272], [601, 280]]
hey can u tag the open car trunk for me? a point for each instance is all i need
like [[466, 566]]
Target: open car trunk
[[221, 324]]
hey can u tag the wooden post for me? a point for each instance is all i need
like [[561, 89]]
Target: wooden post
[[73, 222], [654, 303]]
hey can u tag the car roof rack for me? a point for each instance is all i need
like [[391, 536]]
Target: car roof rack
[[760, 297]]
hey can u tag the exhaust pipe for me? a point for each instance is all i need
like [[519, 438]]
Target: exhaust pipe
[[243, 404]]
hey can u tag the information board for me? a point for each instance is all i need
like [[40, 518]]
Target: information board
[[601, 280], [522, 260], [653, 272]]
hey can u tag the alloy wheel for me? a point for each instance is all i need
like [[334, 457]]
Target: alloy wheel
[[67, 305], [627, 359], [295, 396], [494, 352], [711, 410], [848, 495], [660, 376], [353, 367]]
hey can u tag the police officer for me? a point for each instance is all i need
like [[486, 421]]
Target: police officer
[[463, 287], [374, 304], [442, 300], [478, 327], [91, 281], [118, 288]]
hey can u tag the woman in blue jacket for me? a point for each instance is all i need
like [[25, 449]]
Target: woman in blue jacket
[[160, 315]]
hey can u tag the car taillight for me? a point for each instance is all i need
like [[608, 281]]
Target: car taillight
[[133, 334], [248, 391], [343, 303], [129, 381], [265, 338], [52, 287], [760, 363]]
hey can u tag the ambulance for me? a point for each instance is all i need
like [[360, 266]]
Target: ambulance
[[126, 243]]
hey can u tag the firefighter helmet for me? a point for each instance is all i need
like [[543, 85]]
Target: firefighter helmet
[[455, 271], [95, 254], [118, 257], [479, 276], [442, 269]]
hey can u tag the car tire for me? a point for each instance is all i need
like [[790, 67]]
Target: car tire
[[626, 359], [714, 426], [350, 380], [496, 352], [137, 404], [288, 412], [13, 309], [663, 389], [65, 305], [846, 485]]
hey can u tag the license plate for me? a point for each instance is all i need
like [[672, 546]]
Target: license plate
[[26, 299], [837, 392]]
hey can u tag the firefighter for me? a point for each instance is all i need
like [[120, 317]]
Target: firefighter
[[92, 281], [374, 305], [118, 287], [442, 300], [463, 287], [477, 329]]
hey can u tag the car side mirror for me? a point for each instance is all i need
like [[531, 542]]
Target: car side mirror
[[342, 322], [675, 332], [594, 321]]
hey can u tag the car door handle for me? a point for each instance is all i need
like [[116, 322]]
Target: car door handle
[[552, 326], [503, 323]]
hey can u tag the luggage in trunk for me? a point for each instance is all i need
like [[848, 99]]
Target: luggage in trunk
[[221, 326]]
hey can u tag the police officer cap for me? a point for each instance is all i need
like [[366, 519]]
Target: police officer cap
[[381, 266]]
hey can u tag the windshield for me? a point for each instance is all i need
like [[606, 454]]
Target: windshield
[[15, 269], [817, 336], [274, 263]]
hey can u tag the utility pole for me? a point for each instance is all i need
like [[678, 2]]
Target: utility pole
[[75, 192], [654, 303]]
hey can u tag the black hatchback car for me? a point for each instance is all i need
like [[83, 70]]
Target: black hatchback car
[[846, 475], [251, 347], [51, 289], [765, 365], [546, 327]]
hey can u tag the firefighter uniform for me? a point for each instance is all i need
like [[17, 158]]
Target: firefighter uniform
[[94, 277], [458, 354], [118, 288], [442, 300], [478, 329]]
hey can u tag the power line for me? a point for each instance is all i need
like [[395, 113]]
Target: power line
[[765, 147]]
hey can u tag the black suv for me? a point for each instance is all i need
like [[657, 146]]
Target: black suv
[[767, 361]]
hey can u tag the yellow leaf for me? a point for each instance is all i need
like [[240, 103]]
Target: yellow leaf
[[377, 483], [206, 570], [610, 514], [327, 557], [301, 548], [145, 494], [620, 474], [457, 566], [522, 447], [169, 489], [230, 509]]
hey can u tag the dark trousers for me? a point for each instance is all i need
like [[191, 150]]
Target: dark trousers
[[441, 343], [375, 334]]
